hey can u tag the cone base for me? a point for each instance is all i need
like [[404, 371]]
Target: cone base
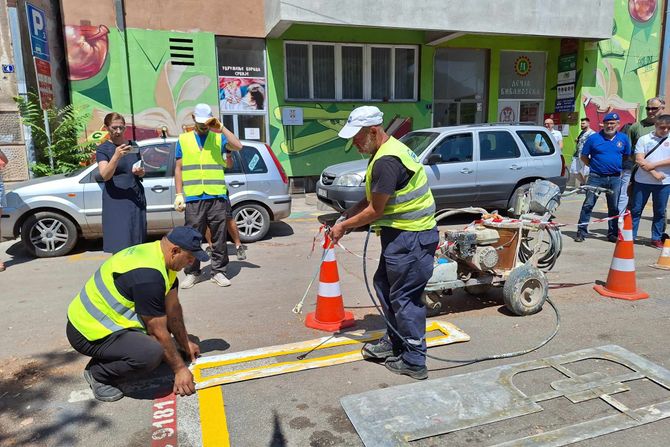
[[637, 295], [660, 266], [330, 326]]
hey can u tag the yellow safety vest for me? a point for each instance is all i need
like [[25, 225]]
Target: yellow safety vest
[[202, 170], [99, 309], [413, 207]]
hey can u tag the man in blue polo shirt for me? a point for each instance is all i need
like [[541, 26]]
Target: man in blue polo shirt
[[603, 152]]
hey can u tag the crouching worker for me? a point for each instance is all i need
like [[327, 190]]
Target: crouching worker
[[399, 205], [128, 312]]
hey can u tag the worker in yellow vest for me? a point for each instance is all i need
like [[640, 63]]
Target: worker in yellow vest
[[127, 313], [399, 205], [201, 187]]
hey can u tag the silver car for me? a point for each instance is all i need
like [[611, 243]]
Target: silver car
[[482, 165], [51, 213]]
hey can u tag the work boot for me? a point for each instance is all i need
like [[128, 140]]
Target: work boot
[[398, 366], [102, 391], [381, 350], [241, 252], [579, 237], [612, 238], [189, 281], [221, 280]]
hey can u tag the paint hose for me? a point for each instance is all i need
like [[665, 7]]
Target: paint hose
[[443, 359]]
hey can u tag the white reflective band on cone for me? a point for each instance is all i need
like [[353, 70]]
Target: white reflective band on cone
[[329, 289], [627, 235], [623, 265], [330, 255], [665, 252]]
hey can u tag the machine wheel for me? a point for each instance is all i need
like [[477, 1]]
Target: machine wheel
[[47, 234], [253, 221], [525, 290], [478, 289], [432, 302]]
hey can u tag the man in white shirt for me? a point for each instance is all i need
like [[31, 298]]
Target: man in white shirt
[[558, 136], [578, 168], [652, 178]]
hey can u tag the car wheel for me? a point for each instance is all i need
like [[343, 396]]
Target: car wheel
[[519, 191], [253, 221], [47, 234]]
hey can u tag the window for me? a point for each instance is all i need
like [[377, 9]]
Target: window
[[236, 168], [537, 143], [418, 141], [156, 159], [455, 148], [317, 70], [497, 145], [252, 161]]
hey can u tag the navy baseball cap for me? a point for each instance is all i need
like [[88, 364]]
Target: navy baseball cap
[[612, 116], [189, 239]]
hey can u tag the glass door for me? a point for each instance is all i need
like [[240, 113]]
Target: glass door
[[461, 78]]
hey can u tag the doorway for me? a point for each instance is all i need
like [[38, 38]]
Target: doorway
[[460, 86]]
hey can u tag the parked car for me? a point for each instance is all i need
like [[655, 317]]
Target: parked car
[[51, 213], [481, 165]]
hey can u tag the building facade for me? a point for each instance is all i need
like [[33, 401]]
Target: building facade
[[289, 73]]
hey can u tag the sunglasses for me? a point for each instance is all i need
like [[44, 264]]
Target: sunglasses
[[652, 109]]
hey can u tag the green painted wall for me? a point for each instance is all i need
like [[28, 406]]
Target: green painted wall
[[306, 150]]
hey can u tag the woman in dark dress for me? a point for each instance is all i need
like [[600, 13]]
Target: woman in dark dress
[[124, 208]]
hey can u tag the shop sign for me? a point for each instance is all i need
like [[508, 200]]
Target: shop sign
[[565, 91], [565, 105], [242, 81], [522, 75], [567, 77], [567, 62]]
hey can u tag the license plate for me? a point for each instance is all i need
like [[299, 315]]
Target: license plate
[[322, 192]]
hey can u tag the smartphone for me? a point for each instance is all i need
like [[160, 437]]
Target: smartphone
[[135, 149]]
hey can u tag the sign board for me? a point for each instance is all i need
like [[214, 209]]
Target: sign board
[[565, 105], [567, 62], [7, 68], [565, 91], [37, 24], [567, 77], [44, 83], [522, 75], [291, 116]]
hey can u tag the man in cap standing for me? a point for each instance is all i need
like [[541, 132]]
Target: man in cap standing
[[399, 205], [201, 187], [603, 153], [127, 313]]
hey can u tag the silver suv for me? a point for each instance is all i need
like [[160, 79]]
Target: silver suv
[[52, 213], [482, 165]]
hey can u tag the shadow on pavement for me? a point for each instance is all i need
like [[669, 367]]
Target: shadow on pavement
[[278, 438], [27, 395]]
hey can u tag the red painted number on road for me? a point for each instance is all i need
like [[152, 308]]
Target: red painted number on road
[[164, 422]]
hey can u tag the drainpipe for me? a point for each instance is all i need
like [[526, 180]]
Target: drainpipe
[[120, 7]]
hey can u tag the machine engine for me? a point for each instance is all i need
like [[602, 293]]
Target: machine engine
[[474, 247]]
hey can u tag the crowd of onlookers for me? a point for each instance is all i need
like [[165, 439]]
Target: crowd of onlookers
[[633, 162]]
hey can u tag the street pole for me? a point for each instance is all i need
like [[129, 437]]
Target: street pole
[[47, 131]]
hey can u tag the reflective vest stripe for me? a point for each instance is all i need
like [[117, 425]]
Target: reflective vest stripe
[[409, 196], [198, 167], [203, 182], [112, 302], [96, 313], [412, 215]]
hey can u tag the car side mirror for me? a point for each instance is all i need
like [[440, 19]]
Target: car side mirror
[[433, 159]]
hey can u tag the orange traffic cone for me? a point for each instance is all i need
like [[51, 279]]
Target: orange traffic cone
[[663, 262], [329, 315], [621, 282]]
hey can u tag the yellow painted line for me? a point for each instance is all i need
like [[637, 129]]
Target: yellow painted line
[[450, 334], [213, 422], [80, 257]]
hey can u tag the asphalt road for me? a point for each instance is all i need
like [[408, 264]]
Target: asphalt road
[[44, 399]]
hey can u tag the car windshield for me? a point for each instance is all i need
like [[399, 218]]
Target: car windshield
[[418, 141], [75, 172]]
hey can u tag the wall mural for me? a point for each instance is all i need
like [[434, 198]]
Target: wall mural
[[625, 66], [164, 90]]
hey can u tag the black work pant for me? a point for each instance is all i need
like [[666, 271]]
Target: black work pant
[[120, 356], [210, 214]]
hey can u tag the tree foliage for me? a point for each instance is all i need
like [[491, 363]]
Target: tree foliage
[[66, 125]]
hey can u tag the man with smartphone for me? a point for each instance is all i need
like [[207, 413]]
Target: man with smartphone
[[201, 187]]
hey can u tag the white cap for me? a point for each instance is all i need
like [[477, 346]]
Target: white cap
[[202, 112], [360, 117]]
